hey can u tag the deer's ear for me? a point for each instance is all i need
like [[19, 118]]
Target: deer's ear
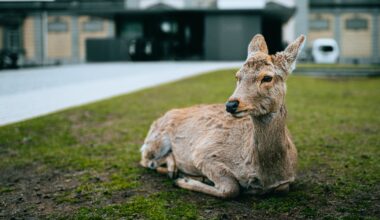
[[257, 44], [286, 60]]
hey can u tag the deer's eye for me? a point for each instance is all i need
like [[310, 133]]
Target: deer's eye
[[267, 79]]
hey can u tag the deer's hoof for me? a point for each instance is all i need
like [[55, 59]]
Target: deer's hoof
[[181, 181], [282, 189], [171, 175]]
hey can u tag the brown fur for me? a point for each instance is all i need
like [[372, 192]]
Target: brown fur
[[156, 151], [250, 150]]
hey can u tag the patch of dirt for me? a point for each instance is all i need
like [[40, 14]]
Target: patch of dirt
[[31, 193], [34, 192], [37, 192]]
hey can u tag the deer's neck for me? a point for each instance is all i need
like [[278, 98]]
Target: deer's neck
[[271, 148]]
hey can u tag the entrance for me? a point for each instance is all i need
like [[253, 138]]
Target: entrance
[[12, 52], [163, 36]]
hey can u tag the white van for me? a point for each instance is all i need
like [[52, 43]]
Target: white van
[[325, 50]]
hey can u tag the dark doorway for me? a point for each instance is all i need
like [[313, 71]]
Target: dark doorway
[[163, 36], [12, 51]]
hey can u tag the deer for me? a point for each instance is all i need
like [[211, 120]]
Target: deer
[[242, 146]]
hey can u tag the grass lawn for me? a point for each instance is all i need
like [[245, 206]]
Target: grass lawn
[[369, 67], [82, 163]]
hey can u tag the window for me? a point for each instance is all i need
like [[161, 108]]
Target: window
[[326, 48], [57, 25], [93, 25], [357, 24], [169, 27], [132, 30], [12, 38], [319, 24]]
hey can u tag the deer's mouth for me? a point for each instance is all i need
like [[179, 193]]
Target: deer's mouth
[[241, 114]]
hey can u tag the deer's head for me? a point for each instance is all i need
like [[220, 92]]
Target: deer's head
[[261, 87]]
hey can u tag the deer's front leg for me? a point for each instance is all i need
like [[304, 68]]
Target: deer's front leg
[[171, 165], [225, 185], [170, 169]]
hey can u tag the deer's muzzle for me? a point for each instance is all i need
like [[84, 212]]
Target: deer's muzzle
[[232, 106]]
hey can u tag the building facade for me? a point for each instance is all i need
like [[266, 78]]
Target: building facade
[[354, 24], [62, 38], [44, 33], [65, 31]]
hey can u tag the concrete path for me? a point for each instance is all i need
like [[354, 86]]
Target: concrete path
[[27, 93]]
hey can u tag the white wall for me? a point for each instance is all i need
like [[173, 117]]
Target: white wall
[[298, 24], [173, 3], [241, 4]]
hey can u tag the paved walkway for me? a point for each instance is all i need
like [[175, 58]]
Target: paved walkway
[[27, 93]]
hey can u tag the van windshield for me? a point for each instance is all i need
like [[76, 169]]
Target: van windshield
[[326, 48]]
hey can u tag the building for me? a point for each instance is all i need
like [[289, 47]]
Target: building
[[54, 32], [354, 24], [67, 31]]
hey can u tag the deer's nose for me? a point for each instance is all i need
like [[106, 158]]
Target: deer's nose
[[232, 106]]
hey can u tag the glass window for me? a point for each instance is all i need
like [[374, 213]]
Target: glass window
[[319, 24], [57, 25], [93, 25], [132, 30], [169, 27], [326, 48], [357, 24], [12, 38]]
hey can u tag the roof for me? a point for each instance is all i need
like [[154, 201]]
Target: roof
[[345, 3], [113, 7]]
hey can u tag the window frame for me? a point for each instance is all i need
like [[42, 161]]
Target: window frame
[[354, 23], [57, 25], [93, 25], [320, 28]]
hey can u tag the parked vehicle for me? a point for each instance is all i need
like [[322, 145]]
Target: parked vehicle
[[325, 50]]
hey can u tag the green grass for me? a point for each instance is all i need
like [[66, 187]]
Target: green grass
[[82, 163], [369, 67]]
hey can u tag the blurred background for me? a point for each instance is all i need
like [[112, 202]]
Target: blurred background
[[52, 32]]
